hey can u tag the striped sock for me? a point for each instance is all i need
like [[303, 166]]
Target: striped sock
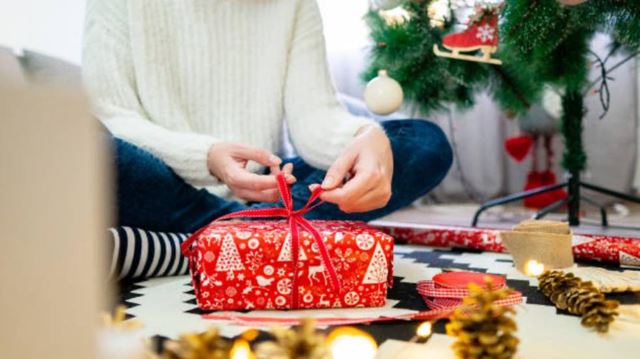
[[140, 254]]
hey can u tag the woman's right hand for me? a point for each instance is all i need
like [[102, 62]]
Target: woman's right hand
[[228, 161]]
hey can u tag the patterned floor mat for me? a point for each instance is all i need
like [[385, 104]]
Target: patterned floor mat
[[167, 305]]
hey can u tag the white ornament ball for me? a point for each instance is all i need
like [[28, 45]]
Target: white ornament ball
[[383, 95], [386, 4]]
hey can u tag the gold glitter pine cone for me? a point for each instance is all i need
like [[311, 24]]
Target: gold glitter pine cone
[[567, 292], [482, 328], [205, 345], [302, 342]]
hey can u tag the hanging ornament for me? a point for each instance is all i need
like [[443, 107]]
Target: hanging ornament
[[518, 147], [386, 4], [439, 12], [395, 17], [480, 35], [383, 95]]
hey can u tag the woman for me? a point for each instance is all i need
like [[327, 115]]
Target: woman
[[195, 92]]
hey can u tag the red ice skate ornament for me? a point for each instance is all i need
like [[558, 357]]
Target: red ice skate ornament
[[480, 35]]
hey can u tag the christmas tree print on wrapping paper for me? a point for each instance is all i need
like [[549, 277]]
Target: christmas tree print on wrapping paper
[[377, 271], [229, 259], [285, 252]]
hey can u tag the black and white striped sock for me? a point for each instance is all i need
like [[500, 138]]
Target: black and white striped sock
[[140, 254]]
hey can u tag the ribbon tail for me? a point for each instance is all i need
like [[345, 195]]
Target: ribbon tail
[[295, 253], [326, 260]]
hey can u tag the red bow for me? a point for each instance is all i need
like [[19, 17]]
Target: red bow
[[295, 220]]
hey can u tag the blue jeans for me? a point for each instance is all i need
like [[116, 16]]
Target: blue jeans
[[151, 196]]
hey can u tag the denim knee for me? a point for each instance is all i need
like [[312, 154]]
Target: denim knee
[[421, 151], [432, 145]]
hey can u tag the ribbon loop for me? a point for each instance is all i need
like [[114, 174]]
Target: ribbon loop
[[295, 220]]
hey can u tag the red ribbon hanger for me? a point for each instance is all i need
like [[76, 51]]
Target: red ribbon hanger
[[296, 220]]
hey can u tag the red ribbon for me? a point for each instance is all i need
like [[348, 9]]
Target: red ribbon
[[295, 220]]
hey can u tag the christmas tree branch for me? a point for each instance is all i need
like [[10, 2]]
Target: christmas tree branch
[[509, 82]]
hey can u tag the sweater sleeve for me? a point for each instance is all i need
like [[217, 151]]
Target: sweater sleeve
[[320, 127], [109, 78]]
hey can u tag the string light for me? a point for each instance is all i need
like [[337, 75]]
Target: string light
[[241, 350], [533, 268], [349, 342], [423, 332]]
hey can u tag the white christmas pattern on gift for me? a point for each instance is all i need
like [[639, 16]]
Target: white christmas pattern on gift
[[592, 247], [248, 265]]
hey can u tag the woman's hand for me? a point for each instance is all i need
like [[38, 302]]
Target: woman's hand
[[228, 161], [368, 161]]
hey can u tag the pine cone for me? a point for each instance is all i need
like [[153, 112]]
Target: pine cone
[[483, 329], [302, 343], [206, 345], [567, 292]]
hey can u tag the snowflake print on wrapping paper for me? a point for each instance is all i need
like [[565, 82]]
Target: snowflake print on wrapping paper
[[253, 260], [365, 241], [351, 298], [344, 258], [281, 272], [485, 33], [284, 286]]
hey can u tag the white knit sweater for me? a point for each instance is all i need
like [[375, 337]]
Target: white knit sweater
[[174, 77]]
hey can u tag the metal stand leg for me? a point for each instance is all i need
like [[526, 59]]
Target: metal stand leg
[[626, 197], [603, 211], [552, 207], [574, 202], [515, 197]]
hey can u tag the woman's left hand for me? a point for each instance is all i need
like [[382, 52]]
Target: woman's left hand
[[368, 162]]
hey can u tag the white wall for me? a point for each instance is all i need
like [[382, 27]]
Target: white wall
[[53, 27]]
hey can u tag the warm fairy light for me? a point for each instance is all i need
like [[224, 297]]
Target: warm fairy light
[[241, 350], [349, 342], [424, 330], [395, 16], [533, 268]]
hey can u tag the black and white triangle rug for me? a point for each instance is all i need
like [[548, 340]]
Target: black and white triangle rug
[[167, 308]]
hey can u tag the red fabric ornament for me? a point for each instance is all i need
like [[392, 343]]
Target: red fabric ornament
[[518, 147], [479, 35]]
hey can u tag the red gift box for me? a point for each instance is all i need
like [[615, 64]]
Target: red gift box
[[591, 247], [292, 264], [248, 265]]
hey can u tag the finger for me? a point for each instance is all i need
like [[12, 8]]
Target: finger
[[357, 186], [348, 193], [287, 170], [243, 179], [261, 156], [271, 195], [338, 171]]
